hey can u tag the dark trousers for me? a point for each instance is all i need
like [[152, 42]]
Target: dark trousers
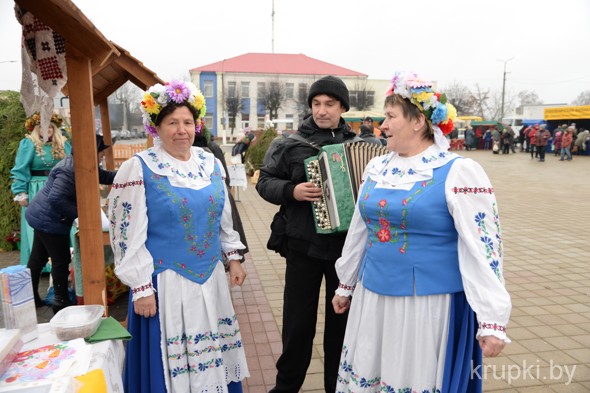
[[541, 150], [303, 279], [56, 247]]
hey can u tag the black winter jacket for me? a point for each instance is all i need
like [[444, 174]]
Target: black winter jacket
[[283, 169], [54, 207]]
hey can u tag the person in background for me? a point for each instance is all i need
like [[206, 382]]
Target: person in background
[[35, 158], [557, 140], [582, 140], [204, 140], [310, 256], [566, 144], [423, 258], [369, 122], [533, 141], [469, 139], [541, 139], [170, 227], [51, 214], [366, 134]]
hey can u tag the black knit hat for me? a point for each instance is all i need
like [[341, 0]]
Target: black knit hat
[[332, 86], [100, 145]]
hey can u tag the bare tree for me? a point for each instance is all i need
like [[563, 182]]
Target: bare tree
[[301, 100], [273, 97], [233, 105], [529, 97], [128, 96], [362, 97], [462, 98], [480, 104], [583, 98]]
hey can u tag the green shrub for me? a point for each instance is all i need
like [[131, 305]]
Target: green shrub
[[12, 130], [256, 152]]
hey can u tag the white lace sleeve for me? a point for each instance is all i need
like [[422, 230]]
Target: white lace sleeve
[[472, 203], [230, 238], [353, 252], [127, 213]]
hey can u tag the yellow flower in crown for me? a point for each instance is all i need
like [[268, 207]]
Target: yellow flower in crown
[[150, 105], [159, 96], [35, 119]]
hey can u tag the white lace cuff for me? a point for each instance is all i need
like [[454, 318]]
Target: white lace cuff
[[143, 291], [344, 290], [23, 196]]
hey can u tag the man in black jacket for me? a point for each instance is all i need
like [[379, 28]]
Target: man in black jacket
[[309, 256]]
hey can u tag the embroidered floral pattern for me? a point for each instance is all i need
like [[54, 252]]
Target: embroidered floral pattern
[[492, 244], [338, 159], [196, 245], [492, 326], [124, 223], [351, 379], [167, 165], [208, 343], [128, 184], [437, 157], [472, 190], [383, 231]]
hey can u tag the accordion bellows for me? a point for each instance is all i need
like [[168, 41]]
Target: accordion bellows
[[338, 170]]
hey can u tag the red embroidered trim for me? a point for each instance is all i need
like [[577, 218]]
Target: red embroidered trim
[[492, 326], [142, 288], [346, 287], [472, 190], [128, 184]]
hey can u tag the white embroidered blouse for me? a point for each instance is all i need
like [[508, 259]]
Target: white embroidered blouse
[[468, 191], [134, 266]]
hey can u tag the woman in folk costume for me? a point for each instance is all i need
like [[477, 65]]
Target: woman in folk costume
[[170, 225], [35, 157], [422, 259]]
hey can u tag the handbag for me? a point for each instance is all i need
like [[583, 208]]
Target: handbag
[[278, 234]]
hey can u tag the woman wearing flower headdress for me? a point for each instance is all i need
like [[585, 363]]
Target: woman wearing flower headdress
[[170, 224], [34, 159], [423, 259]]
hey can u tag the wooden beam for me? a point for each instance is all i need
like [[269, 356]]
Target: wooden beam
[[106, 133], [113, 85], [86, 172], [78, 31]]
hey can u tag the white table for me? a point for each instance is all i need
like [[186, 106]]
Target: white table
[[106, 355]]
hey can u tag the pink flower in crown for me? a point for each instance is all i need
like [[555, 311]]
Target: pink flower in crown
[[178, 91]]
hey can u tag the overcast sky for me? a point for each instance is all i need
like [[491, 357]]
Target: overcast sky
[[465, 41]]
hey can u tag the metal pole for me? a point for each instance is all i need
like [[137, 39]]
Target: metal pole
[[504, 87]]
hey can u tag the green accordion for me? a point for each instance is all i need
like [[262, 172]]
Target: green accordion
[[338, 170]]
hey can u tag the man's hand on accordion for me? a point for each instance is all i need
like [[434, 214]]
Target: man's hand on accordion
[[307, 192], [341, 304]]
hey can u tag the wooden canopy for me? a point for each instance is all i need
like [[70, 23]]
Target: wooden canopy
[[96, 67]]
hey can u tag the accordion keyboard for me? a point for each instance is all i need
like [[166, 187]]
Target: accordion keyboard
[[320, 208]]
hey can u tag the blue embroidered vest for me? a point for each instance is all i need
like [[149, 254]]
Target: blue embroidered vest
[[184, 225], [412, 240]]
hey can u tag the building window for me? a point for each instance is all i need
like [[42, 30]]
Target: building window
[[289, 90], [260, 125], [260, 89], [208, 120], [289, 125], [370, 98], [303, 89], [208, 88], [231, 89], [245, 120], [245, 89]]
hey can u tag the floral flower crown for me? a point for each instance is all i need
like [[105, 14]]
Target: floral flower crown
[[438, 111], [35, 119], [158, 96]]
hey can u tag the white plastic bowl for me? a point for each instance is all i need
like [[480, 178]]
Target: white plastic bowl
[[76, 321]]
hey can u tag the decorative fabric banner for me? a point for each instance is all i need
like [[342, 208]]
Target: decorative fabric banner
[[44, 66]]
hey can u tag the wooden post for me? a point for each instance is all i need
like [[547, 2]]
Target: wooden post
[[106, 133], [86, 170]]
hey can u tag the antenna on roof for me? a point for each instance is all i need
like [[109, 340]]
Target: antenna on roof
[[273, 26]]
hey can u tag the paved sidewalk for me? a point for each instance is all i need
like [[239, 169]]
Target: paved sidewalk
[[545, 215]]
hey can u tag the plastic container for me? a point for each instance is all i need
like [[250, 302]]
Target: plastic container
[[76, 321]]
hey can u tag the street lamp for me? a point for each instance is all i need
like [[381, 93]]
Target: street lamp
[[504, 86], [8, 61]]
